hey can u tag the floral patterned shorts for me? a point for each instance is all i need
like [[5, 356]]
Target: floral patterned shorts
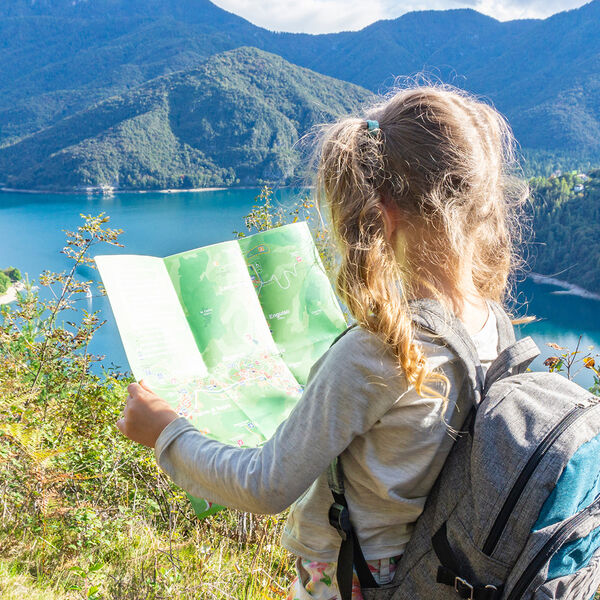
[[316, 580]]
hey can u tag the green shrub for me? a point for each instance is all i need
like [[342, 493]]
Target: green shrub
[[5, 282], [84, 512], [13, 273]]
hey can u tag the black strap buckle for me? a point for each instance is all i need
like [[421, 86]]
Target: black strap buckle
[[339, 517]]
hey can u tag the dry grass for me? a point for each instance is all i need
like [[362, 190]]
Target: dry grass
[[229, 556]]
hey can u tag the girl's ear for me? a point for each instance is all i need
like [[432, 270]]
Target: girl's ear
[[390, 214]]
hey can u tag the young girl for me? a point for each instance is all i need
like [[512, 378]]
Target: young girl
[[422, 205]]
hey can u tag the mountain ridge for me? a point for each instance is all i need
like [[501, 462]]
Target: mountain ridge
[[158, 135], [543, 74]]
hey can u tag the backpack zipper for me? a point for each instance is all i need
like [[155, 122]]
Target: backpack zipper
[[515, 493], [548, 549]]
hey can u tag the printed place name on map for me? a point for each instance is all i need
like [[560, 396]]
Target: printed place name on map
[[213, 410], [279, 315], [233, 286]]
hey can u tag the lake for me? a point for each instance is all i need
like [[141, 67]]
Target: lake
[[160, 224]]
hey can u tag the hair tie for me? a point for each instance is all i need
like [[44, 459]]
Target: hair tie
[[373, 127]]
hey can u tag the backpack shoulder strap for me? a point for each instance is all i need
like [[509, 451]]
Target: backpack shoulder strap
[[506, 330], [513, 356], [512, 360], [430, 316]]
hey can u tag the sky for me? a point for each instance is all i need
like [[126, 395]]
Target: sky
[[324, 16]]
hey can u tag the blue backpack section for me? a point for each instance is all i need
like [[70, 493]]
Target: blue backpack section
[[577, 488]]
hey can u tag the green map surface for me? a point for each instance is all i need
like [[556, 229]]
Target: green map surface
[[226, 333]]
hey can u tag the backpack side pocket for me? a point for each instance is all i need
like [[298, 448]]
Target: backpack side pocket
[[581, 585]]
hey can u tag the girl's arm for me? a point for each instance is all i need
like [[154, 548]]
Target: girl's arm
[[349, 389]]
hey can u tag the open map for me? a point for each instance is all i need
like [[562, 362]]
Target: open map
[[226, 333]]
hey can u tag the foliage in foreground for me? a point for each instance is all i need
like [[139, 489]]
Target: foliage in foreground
[[84, 513]]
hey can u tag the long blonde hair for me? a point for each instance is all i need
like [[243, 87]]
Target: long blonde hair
[[446, 161]]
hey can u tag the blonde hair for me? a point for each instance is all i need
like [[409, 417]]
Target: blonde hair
[[445, 160]]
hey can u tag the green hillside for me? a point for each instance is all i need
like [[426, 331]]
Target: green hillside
[[566, 222], [233, 120], [59, 57]]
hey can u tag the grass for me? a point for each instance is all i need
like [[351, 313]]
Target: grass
[[231, 555]]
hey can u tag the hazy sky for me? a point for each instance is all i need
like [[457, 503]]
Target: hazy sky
[[322, 16]]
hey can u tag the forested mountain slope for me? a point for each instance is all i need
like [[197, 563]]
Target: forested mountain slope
[[566, 222], [234, 120], [60, 56]]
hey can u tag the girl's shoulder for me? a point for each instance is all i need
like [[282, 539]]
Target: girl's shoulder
[[357, 355], [363, 355], [358, 343], [358, 375]]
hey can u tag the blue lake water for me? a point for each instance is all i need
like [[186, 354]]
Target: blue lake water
[[160, 224]]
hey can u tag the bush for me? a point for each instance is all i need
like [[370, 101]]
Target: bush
[[5, 282], [84, 512], [13, 273]]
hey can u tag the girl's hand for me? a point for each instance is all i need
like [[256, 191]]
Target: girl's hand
[[145, 415]]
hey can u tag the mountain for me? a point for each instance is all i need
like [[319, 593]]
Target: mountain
[[233, 120], [544, 75], [548, 82], [58, 57]]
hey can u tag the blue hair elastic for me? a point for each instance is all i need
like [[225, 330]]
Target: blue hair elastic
[[372, 127]]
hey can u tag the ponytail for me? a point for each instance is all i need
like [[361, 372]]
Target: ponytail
[[444, 160], [370, 280]]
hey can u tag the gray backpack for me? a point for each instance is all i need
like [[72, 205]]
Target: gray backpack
[[515, 512]]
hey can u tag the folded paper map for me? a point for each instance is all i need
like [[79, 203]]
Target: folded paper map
[[226, 333]]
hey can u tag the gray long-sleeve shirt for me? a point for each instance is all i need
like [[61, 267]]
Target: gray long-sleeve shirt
[[356, 404]]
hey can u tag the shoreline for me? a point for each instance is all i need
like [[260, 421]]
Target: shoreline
[[171, 191], [112, 192], [568, 288], [11, 293]]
